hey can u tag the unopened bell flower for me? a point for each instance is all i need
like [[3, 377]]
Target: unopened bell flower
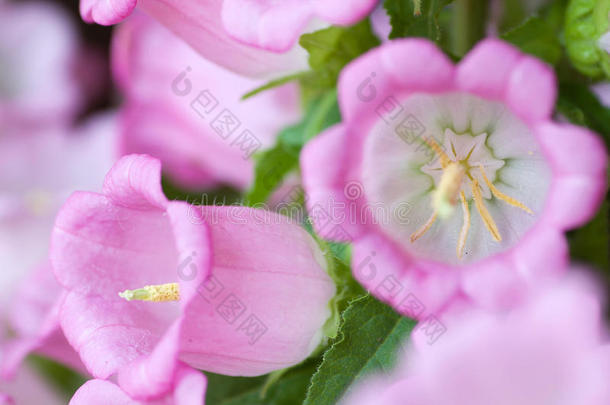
[[152, 284], [587, 36], [452, 182]]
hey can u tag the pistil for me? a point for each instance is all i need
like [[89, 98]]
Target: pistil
[[155, 293]]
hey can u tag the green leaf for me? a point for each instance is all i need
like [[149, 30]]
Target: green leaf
[[578, 103], [274, 164], [405, 23], [536, 37], [290, 389], [348, 289], [273, 83], [370, 337], [330, 49]]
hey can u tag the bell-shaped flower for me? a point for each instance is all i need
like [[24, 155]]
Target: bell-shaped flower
[[452, 182], [188, 112], [152, 284]]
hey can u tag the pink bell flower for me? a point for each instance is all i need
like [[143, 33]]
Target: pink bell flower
[[452, 182], [188, 112], [152, 284]]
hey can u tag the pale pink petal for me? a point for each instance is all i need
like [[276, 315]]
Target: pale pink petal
[[272, 288], [189, 390], [199, 23], [487, 68], [532, 90], [277, 26]]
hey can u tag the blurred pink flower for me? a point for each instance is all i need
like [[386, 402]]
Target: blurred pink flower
[[37, 173], [452, 182], [187, 111], [28, 387], [549, 351], [188, 390], [39, 54], [199, 23], [232, 304]]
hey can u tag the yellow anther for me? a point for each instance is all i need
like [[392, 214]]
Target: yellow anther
[[500, 195], [445, 196], [156, 293], [465, 226], [417, 234], [487, 219], [438, 150]]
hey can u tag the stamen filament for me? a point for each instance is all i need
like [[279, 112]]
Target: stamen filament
[[487, 219], [500, 195], [439, 151], [155, 293], [465, 226], [417, 234]]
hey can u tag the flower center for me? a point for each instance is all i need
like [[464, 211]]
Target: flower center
[[155, 293], [468, 160], [458, 172]]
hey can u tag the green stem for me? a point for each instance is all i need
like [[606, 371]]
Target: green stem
[[468, 24]]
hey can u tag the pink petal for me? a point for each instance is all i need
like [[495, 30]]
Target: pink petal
[[286, 295], [199, 23], [392, 71], [532, 90], [486, 69], [34, 319], [323, 179], [265, 24], [189, 390], [277, 26]]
